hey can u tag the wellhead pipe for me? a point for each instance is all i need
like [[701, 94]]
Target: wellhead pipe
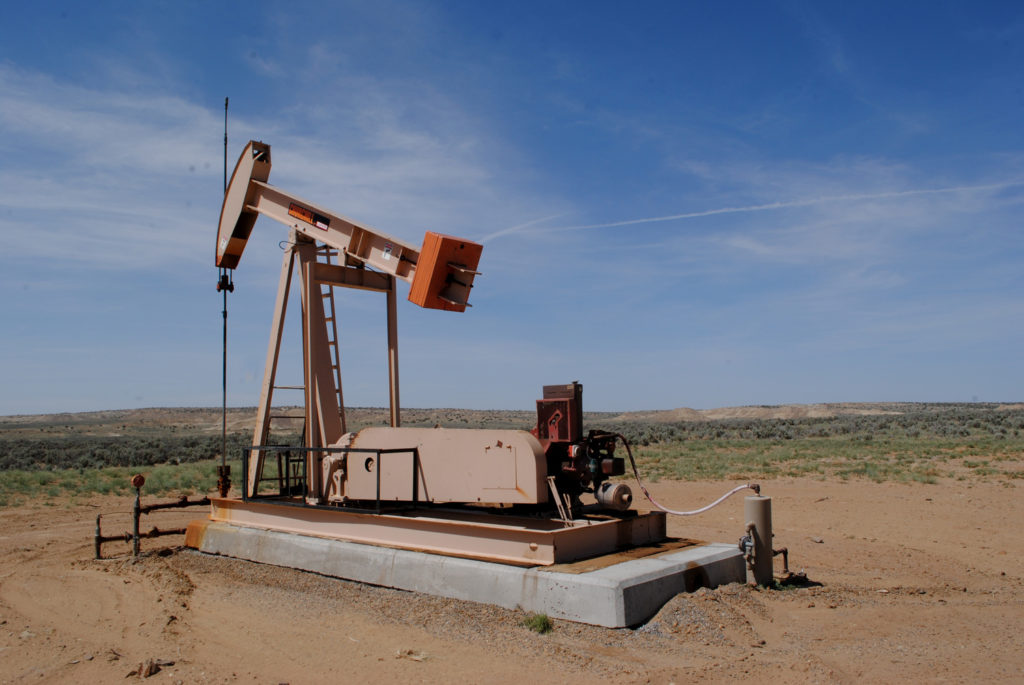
[[757, 510]]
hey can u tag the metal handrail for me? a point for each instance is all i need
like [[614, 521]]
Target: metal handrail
[[302, 479]]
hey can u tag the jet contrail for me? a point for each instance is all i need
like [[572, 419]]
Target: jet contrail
[[519, 227], [760, 208]]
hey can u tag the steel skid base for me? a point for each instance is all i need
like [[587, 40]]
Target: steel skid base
[[623, 586], [519, 540]]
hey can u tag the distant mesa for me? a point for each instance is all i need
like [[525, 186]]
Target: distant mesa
[[782, 411]]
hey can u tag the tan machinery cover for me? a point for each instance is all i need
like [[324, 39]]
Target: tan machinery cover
[[496, 467]]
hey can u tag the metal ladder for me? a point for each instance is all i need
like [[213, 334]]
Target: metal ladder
[[327, 292]]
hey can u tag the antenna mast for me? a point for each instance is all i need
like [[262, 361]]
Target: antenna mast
[[224, 285]]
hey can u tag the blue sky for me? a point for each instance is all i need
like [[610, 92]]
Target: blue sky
[[681, 204]]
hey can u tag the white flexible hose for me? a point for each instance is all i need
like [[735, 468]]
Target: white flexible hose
[[702, 509], [751, 486]]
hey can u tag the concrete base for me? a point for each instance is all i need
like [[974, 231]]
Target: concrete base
[[619, 595]]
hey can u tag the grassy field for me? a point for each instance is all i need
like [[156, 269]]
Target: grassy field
[[916, 459], [68, 456], [68, 485]]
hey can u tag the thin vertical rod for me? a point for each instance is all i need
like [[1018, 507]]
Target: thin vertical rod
[[225, 145], [136, 513], [224, 355], [224, 386], [396, 419]]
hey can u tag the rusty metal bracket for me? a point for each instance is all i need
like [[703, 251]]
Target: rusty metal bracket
[[134, 536]]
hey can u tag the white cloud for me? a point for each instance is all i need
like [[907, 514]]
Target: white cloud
[[143, 173]]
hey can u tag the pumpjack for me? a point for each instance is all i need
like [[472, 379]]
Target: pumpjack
[[508, 495]]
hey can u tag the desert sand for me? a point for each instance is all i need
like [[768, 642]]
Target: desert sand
[[918, 583]]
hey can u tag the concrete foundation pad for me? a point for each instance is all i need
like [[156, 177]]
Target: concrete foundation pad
[[623, 594]]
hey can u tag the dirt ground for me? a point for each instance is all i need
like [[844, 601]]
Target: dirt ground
[[921, 583]]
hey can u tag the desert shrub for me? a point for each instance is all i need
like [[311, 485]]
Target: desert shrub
[[83, 452], [538, 623], [163, 480]]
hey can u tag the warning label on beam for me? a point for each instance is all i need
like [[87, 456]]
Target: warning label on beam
[[309, 216]]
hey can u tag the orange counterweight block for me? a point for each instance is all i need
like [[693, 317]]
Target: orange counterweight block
[[445, 272]]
